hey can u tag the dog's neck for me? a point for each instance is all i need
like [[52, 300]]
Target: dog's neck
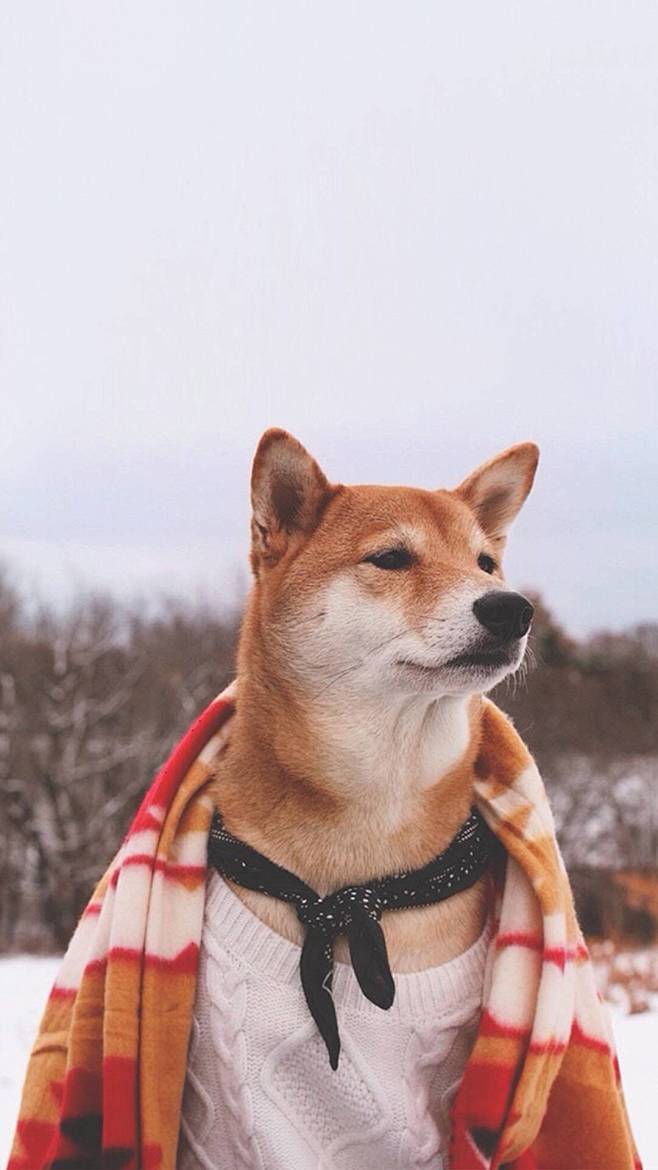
[[345, 787], [379, 755]]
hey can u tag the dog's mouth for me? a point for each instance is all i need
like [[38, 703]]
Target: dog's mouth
[[492, 659], [471, 659]]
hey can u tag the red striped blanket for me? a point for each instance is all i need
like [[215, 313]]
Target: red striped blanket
[[105, 1079]]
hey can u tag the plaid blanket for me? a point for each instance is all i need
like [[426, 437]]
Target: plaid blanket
[[105, 1079]]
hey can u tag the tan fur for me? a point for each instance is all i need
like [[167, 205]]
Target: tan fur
[[340, 774]]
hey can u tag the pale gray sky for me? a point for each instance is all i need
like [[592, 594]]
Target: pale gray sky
[[410, 233]]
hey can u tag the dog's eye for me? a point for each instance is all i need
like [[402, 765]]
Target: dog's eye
[[390, 558], [486, 563]]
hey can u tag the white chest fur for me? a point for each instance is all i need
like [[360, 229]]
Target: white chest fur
[[260, 1092]]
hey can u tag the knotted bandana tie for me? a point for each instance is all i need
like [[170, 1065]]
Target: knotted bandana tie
[[352, 910]]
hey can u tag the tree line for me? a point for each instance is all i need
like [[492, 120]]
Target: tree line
[[93, 698]]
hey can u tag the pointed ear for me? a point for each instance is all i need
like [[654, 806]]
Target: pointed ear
[[289, 492], [497, 489]]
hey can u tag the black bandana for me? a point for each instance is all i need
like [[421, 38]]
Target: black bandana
[[353, 910]]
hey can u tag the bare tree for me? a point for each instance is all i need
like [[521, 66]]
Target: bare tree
[[91, 702]]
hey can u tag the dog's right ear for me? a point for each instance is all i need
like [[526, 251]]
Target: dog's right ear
[[289, 492]]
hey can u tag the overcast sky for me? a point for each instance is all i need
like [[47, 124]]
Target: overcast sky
[[410, 233]]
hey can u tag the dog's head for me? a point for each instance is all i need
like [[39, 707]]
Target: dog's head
[[378, 589]]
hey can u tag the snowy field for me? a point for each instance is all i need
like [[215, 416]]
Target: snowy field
[[24, 984]]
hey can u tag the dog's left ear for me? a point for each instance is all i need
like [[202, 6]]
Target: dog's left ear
[[497, 489]]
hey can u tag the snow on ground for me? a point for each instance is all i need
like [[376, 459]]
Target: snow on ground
[[25, 982], [636, 1038]]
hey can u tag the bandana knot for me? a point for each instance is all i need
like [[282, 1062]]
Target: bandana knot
[[353, 910], [333, 914]]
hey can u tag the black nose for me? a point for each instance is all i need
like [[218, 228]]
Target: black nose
[[508, 615]]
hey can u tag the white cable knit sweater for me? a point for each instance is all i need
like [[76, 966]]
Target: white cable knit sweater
[[260, 1093]]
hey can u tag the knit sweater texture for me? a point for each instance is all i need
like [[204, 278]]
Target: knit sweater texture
[[260, 1094]]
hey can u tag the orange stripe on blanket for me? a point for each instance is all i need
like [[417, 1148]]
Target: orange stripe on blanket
[[148, 820], [185, 962], [533, 942], [491, 1027], [34, 1139], [188, 875], [180, 872], [551, 1047], [578, 1036], [63, 993], [181, 760]]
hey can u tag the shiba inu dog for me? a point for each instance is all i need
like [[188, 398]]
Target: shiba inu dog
[[356, 771], [378, 618]]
